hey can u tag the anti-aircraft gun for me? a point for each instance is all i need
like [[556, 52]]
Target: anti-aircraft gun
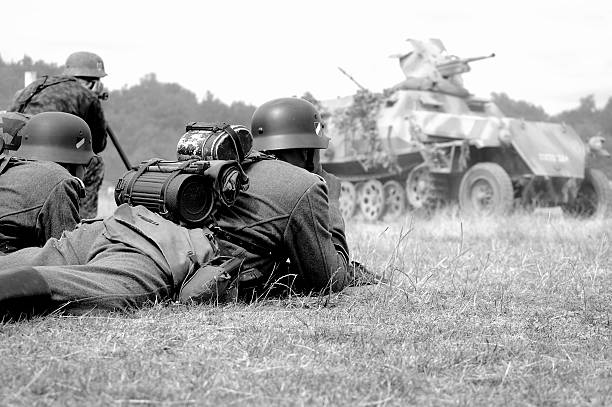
[[427, 141], [457, 66]]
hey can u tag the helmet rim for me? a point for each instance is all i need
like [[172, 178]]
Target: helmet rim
[[289, 141], [287, 123]]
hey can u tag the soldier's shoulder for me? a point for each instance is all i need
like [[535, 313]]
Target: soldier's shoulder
[[68, 84], [48, 79], [39, 178], [47, 171], [277, 171]]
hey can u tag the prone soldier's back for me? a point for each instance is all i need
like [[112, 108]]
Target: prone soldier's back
[[38, 200], [283, 215]]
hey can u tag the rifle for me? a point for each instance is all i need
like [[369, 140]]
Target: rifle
[[102, 94], [352, 79], [122, 154]]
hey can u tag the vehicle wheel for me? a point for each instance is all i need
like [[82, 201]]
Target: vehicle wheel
[[348, 199], [485, 189], [395, 200], [372, 199], [594, 196], [420, 187]]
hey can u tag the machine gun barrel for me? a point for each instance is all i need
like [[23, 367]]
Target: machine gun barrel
[[352, 79], [459, 65], [464, 60]]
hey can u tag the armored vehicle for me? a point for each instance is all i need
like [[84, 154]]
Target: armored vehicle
[[428, 141]]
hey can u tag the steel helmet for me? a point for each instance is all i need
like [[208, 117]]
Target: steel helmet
[[84, 64], [287, 123], [56, 136]]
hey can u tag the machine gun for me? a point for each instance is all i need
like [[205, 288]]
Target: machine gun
[[458, 66]]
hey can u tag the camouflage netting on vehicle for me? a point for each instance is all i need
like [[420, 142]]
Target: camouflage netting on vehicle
[[357, 125]]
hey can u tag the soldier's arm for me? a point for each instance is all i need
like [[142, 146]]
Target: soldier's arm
[[335, 216], [60, 211], [97, 124], [315, 257]]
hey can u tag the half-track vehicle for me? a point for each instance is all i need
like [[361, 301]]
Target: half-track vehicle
[[428, 141]]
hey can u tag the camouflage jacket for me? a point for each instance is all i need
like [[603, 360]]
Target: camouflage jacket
[[64, 94], [38, 200], [285, 215]]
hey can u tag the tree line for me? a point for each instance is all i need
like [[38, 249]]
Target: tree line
[[149, 118]]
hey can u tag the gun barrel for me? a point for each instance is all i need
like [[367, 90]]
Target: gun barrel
[[464, 60], [474, 59]]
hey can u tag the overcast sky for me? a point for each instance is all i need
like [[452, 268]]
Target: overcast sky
[[549, 53]]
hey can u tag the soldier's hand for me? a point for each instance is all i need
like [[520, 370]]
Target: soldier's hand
[[361, 275]]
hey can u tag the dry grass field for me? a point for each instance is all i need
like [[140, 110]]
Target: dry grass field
[[513, 311]]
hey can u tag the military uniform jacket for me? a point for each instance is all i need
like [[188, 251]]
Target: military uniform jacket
[[173, 248], [285, 214], [38, 200], [65, 94]]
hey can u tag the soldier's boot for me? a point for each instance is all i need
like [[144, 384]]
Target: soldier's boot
[[23, 293]]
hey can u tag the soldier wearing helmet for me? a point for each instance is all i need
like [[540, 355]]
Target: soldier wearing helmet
[[38, 198], [290, 211], [77, 91]]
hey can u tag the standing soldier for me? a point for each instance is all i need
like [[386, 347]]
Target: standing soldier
[[78, 91]]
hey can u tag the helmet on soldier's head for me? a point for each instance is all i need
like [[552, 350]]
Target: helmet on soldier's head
[[56, 136], [287, 123], [84, 64]]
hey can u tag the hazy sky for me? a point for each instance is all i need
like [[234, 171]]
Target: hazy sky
[[550, 53]]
